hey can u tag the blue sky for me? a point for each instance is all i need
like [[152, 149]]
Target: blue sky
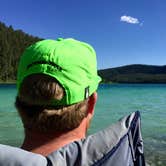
[[121, 31]]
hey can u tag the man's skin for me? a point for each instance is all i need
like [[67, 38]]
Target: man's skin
[[45, 143]]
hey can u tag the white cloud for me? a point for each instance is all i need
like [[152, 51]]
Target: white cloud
[[129, 19]]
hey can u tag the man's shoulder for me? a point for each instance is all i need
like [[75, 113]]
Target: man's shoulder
[[111, 146], [12, 156]]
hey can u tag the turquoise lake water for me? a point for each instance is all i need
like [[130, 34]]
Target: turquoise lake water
[[114, 102]]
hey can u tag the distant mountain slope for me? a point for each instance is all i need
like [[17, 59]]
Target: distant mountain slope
[[12, 44], [135, 74]]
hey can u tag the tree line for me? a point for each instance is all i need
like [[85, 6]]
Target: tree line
[[12, 44], [134, 74]]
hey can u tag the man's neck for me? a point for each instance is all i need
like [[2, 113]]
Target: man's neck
[[45, 143]]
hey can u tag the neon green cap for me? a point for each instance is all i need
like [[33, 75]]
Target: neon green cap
[[72, 63]]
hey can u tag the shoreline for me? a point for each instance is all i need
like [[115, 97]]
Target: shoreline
[[8, 82], [102, 83]]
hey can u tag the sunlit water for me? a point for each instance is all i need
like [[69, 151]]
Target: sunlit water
[[114, 102]]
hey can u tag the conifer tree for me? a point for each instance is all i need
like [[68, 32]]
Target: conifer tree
[[12, 44]]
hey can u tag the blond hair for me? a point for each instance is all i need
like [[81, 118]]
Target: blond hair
[[32, 104]]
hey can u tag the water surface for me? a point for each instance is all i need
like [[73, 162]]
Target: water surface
[[114, 102]]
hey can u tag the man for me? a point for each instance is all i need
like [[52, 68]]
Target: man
[[57, 82]]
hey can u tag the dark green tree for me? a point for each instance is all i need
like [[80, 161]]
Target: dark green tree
[[12, 44]]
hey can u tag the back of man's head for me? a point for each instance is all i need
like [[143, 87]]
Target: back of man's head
[[55, 79]]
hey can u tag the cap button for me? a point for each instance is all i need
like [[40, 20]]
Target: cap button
[[60, 39]]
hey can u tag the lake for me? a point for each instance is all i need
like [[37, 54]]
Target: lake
[[114, 102]]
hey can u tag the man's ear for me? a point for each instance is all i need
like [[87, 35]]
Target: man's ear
[[91, 103]]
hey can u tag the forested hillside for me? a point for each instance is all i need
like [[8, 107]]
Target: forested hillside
[[135, 74], [12, 44]]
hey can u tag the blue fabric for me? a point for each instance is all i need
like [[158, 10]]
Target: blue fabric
[[119, 145], [11, 156]]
